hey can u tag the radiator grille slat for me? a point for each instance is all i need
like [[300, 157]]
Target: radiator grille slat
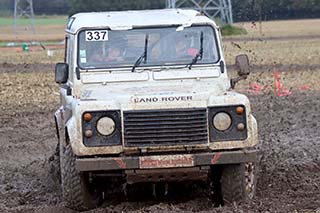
[[163, 131], [168, 127], [165, 119], [165, 127], [163, 123]]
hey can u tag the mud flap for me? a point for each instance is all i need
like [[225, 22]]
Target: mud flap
[[62, 115], [59, 122]]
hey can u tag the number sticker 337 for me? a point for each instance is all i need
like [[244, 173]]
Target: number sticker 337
[[97, 35]]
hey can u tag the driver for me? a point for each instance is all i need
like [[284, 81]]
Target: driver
[[113, 54], [114, 51]]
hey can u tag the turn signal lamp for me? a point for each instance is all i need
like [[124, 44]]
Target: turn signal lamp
[[239, 110], [87, 117]]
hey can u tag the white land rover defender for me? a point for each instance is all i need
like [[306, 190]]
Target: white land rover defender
[[145, 97]]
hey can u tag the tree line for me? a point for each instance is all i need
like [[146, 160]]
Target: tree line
[[243, 10], [253, 10]]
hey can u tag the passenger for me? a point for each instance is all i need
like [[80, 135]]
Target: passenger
[[183, 49]]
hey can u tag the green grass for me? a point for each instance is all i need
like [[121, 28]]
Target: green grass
[[18, 44], [58, 20], [230, 30]]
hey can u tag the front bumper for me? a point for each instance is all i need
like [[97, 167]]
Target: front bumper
[[165, 161]]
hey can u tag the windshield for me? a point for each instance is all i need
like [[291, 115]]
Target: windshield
[[159, 47]]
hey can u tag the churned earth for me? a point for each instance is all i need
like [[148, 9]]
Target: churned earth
[[289, 149]]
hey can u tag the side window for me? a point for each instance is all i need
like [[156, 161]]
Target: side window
[[68, 56], [66, 44]]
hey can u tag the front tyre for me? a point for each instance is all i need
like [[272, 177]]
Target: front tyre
[[75, 185], [238, 182]]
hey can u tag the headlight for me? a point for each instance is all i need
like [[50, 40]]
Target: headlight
[[106, 126], [222, 121]]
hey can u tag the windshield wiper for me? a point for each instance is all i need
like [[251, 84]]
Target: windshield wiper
[[199, 54], [143, 57]]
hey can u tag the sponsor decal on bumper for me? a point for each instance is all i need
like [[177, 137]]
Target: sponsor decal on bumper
[[166, 161]]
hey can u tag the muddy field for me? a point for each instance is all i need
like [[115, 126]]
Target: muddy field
[[289, 150]]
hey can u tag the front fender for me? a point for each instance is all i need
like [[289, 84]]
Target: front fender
[[233, 98], [79, 149]]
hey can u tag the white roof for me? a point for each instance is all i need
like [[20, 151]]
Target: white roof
[[140, 18]]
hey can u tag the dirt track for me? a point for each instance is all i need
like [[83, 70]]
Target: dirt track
[[289, 177]]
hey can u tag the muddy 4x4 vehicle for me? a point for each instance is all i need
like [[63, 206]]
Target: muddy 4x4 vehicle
[[145, 97]]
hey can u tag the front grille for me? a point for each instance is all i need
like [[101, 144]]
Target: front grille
[[165, 127]]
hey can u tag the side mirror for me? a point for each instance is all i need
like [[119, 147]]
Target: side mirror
[[61, 73], [243, 67], [242, 64]]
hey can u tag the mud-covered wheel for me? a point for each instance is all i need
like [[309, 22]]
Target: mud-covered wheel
[[238, 182], [75, 186], [215, 186]]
